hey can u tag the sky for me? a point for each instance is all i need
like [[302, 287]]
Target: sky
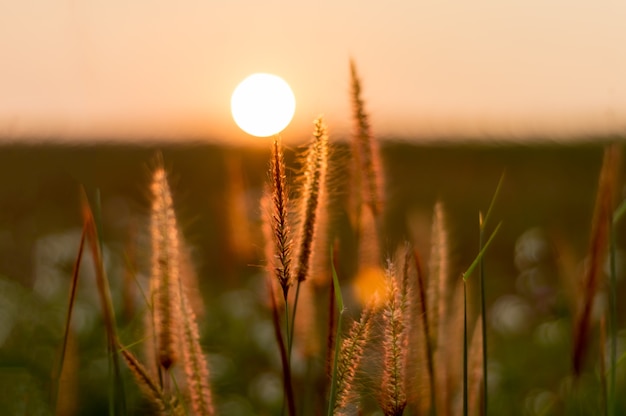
[[157, 69]]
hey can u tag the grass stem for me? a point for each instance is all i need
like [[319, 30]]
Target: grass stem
[[612, 322], [465, 406], [117, 397], [288, 387], [483, 317], [483, 308]]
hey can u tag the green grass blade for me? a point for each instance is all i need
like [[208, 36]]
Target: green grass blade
[[479, 261], [480, 255], [483, 222], [619, 212], [340, 306]]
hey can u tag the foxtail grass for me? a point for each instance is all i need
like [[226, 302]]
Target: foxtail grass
[[366, 151], [196, 368], [277, 229], [349, 360], [279, 221], [598, 245], [393, 395], [165, 269], [313, 192], [311, 203], [172, 330], [144, 380], [311, 199]]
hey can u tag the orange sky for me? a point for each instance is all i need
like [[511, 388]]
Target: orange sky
[[118, 69]]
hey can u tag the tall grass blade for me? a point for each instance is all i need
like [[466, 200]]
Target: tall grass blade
[[332, 320], [619, 212], [611, 399], [482, 252], [70, 309], [117, 397], [600, 236], [483, 308], [478, 262], [485, 219]]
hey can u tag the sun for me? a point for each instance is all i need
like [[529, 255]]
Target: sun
[[263, 104]]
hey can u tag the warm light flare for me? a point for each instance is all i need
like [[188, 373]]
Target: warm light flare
[[263, 104]]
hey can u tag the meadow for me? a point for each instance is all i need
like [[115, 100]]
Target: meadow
[[408, 247]]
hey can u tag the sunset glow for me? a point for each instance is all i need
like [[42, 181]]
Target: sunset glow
[[131, 71]]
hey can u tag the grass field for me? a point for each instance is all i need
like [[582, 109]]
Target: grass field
[[546, 205]]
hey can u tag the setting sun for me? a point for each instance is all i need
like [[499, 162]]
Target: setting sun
[[262, 104]]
